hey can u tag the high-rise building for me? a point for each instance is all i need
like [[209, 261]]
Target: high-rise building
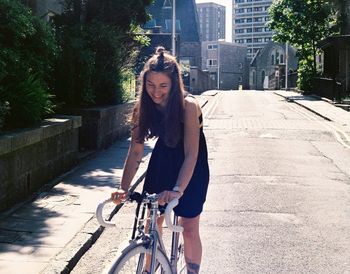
[[211, 21], [249, 24]]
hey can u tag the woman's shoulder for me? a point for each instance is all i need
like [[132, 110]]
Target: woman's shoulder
[[190, 102], [191, 105]]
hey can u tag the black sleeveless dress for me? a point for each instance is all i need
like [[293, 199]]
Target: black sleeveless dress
[[164, 168]]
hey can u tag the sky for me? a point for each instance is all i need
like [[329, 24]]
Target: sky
[[228, 5]]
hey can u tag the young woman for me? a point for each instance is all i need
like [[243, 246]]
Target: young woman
[[178, 167]]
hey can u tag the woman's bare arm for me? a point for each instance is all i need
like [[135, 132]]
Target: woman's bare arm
[[132, 161], [191, 142]]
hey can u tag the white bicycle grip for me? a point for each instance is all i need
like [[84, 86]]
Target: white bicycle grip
[[167, 215], [99, 217]]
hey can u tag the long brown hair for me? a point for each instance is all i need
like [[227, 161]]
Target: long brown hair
[[146, 114]]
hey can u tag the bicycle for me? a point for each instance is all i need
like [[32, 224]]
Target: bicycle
[[132, 258]]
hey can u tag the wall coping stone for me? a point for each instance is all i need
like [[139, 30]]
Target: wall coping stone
[[100, 111], [17, 139]]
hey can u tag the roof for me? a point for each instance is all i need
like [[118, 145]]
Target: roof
[[186, 19]]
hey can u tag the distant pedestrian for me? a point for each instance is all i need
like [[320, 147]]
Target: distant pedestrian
[[178, 167]]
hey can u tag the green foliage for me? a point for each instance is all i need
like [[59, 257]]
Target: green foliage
[[98, 41], [27, 52], [306, 73], [128, 85], [29, 102], [302, 23]]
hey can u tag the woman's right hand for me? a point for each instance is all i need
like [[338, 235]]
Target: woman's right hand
[[119, 196]]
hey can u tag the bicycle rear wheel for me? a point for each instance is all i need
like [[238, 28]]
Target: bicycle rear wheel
[[132, 260]]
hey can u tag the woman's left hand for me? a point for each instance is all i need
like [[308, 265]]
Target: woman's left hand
[[167, 196]]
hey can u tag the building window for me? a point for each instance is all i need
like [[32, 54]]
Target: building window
[[212, 62], [240, 79], [240, 65], [281, 59], [212, 46], [262, 77], [272, 59]]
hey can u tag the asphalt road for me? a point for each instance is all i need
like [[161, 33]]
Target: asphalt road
[[279, 196]]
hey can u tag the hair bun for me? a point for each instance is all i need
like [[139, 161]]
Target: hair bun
[[160, 49]]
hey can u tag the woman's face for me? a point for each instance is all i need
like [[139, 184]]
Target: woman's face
[[158, 86]]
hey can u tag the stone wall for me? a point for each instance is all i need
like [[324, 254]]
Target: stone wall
[[102, 126], [29, 158]]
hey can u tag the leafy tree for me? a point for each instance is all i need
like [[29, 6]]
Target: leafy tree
[[302, 23], [27, 53], [98, 40]]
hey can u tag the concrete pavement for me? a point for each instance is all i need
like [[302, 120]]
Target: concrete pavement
[[49, 233]]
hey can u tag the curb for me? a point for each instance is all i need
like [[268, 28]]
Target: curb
[[289, 99]]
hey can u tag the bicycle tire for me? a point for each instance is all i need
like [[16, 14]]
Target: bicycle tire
[[130, 257]]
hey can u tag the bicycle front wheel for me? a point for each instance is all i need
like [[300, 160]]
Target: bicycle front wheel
[[181, 263], [133, 258]]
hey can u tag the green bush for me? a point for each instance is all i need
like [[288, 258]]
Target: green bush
[[306, 73], [27, 52], [29, 102], [128, 85]]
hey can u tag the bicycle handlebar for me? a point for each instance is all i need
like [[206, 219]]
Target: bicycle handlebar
[[99, 217], [167, 215], [136, 196]]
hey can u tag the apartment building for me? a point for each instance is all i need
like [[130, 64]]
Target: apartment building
[[211, 21], [249, 24]]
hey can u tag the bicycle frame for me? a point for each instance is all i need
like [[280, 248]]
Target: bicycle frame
[[152, 240]]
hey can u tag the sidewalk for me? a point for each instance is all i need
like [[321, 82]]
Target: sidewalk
[[50, 232], [320, 106]]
